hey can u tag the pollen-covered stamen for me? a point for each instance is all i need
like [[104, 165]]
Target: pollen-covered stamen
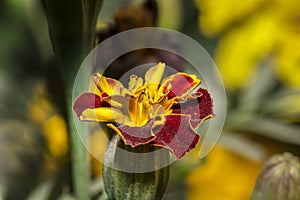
[[143, 109], [139, 109], [156, 110]]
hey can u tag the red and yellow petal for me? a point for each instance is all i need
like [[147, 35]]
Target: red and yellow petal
[[155, 74], [153, 77], [102, 114], [109, 85], [134, 135], [90, 107], [174, 113], [176, 134], [135, 83], [117, 101], [178, 84], [88, 100], [199, 108]]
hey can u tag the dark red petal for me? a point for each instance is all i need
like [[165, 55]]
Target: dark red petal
[[199, 108], [135, 135], [176, 134], [104, 95], [179, 84], [88, 100]]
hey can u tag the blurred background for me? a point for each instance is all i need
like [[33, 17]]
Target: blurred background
[[255, 45]]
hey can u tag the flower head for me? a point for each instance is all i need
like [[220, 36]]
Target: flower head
[[258, 33], [151, 111]]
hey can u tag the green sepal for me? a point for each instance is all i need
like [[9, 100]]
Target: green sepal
[[122, 185]]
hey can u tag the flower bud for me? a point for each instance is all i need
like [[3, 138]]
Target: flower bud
[[279, 179]]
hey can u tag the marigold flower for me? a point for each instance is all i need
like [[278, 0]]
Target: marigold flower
[[255, 32], [150, 111]]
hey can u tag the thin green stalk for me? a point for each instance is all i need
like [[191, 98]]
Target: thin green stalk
[[72, 29], [80, 164]]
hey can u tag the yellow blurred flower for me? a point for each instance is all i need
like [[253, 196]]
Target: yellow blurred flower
[[55, 131], [224, 175], [43, 113], [289, 57], [40, 108], [253, 32], [217, 15]]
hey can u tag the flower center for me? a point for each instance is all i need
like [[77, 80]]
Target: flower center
[[156, 109]]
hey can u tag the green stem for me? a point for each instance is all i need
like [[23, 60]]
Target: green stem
[[72, 29], [79, 157]]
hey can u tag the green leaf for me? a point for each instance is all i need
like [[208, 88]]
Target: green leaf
[[258, 89], [271, 128], [72, 25], [42, 192], [66, 197]]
